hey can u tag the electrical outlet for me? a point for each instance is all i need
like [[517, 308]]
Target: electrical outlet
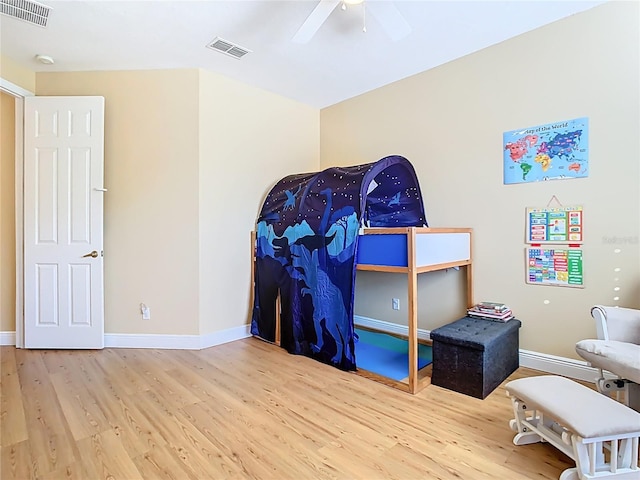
[[395, 303], [146, 312]]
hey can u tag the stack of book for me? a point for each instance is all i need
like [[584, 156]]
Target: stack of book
[[498, 312]]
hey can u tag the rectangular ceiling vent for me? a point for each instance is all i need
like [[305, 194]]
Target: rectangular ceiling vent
[[228, 48], [31, 12]]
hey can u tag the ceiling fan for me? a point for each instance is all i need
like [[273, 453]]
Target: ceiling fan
[[386, 13]]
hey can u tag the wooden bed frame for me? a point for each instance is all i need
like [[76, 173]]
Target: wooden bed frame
[[410, 251]]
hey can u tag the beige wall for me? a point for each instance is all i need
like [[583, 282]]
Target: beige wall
[[7, 214], [14, 73], [151, 209], [249, 139], [189, 157], [449, 122], [26, 79]]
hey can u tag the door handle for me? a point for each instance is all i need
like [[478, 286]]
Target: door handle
[[93, 254]]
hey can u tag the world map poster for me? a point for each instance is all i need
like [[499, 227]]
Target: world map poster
[[553, 151]]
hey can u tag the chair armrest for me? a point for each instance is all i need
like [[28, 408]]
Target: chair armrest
[[617, 323]]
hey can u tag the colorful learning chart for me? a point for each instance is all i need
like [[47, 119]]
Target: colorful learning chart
[[555, 225], [555, 266]]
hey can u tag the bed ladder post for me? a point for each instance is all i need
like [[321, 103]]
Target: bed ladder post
[[278, 319], [413, 310], [252, 291], [469, 272]]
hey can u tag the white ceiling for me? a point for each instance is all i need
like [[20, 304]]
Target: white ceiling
[[338, 63]]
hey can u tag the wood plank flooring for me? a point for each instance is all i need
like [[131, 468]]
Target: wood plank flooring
[[246, 409]]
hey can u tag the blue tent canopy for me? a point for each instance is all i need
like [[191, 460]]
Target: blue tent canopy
[[306, 241]]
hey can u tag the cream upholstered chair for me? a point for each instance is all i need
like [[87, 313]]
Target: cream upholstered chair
[[617, 350]]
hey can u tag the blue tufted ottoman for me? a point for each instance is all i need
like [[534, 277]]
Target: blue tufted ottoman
[[473, 356]]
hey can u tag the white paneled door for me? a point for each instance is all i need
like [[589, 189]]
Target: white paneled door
[[63, 222]]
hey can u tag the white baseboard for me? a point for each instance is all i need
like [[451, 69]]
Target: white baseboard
[[7, 338], [177, 342], [169, 342], [224, 336], [388, 327], [566, 367]]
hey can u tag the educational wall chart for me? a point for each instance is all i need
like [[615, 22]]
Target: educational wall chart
[[547, 152], [554, 266], [555, 225]]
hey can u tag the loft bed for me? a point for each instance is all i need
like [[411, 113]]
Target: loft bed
[[412, 251], [310, 240]]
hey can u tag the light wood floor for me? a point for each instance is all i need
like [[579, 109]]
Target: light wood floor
[[246, 409]]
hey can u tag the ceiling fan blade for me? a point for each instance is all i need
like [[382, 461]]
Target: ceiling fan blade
[[314, 21], [390, 18]]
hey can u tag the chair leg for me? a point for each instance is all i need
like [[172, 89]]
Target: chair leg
[[632, 396], [591, 464]]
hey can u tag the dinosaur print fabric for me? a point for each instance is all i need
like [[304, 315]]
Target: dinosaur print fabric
[[306, 241]]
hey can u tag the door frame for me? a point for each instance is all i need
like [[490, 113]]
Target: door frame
[[19, 94]]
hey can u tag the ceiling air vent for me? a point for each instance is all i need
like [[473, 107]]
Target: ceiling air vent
[[31, 12], [228, 48]]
